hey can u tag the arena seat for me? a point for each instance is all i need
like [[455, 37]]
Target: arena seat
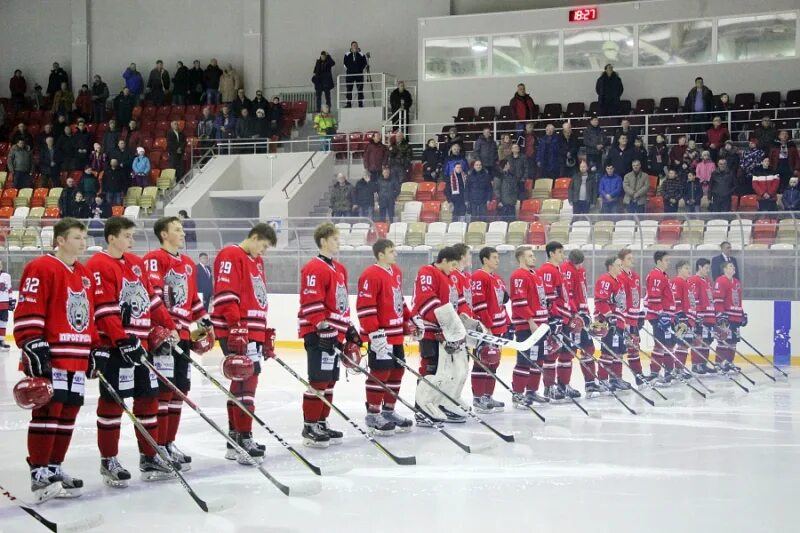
[[765, 231], [580, 232], [551, 210], [645, 106], [575, 110], [397, 232], [476, 234], [35, 217], [411, 211], [416, 233], [529, 210], [23, 198], [446, 212], [558, 231], [669, 232], [53, 197], [516, 232], [496, 233], [748, 203], [537, 235], [456, 232], [435, 234], [132, 196], [542, 188], [561, 188], [425, 191], [430, 211], [787, 231], [8, 197]]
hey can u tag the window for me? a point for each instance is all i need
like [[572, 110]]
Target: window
[[456, 57], [757, 37], [526, 53], [675, 43], [593, 48]]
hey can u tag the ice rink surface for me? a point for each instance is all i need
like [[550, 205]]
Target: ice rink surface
[[729, 464]]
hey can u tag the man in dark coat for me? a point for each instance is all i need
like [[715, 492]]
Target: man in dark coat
[[355, 64], [700, 100], [582, 192], [211, 78], [478, 191], [547, 153], [621, 156], [364, 196], [609, 91], [196, 84], [388, 191], [204, 279], [158, 83], [57, 76], [241, 102], [176, 148], [721, 259], [123, 105], [323, 78], [181, 88], [99, 98], [399, 99]]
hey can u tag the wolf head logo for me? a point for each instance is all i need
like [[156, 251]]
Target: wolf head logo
[[176, 289], [260, 291], [77, 310], [397, 301], [134, 294], [341, 298]]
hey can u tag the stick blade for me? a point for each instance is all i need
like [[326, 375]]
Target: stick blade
[[220, 504], [84, 524]]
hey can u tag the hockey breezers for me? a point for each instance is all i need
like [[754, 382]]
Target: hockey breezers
[[84, 524]]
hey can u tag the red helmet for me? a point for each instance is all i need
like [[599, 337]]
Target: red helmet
[[551, 344], [722, 332], [489, 354], [205, 343], [159, 336], [237, 367], [598, 329], [351, 355], [576, 324], [33, 393]]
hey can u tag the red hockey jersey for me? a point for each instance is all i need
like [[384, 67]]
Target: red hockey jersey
[[610, 300], [432, 289], [680, 293], [528, 300], [488, 301], [172, 278], [701, 300], [632, 285], [575, 282], [240, 293], [323, 296], [558, 302], [124, 280], [728, 298], [56, 303], [462, 282], [658, 298], [380, 303]]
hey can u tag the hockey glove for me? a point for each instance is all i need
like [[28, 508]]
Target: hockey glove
[[352, 335], [744, 320], [327, 340], [269, 344], [587, 320], [414, 328], [681, 318], [664, 321], [723, 320], [238, 339], [378, 344], [206, 322], [556, 325], [131, 350], [36, 358], [98, 359]]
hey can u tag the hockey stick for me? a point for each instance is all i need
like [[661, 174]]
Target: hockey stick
[[297, 455], [622, 360], [685, 382], [398, 460], [577, 404], [764, 358], [692, 350], [305, 491], [83, 524], [717, 365], [438, 425], [217, 506], [502, 342], [466, 409]]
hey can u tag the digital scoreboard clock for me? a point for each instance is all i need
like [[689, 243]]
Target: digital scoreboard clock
[[583, 14]]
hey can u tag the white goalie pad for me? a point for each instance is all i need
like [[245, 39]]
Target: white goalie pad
[[452, 327], [451, 374]]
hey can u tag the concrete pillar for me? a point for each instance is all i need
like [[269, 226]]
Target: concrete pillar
[[253, 45], [80, 64]]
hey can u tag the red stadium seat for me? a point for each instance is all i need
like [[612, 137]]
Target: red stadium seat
[[764, 231], [529, 210], [536, 234], [748, 202], [561, 188], [655, 204], [669, 232], [425, 191]]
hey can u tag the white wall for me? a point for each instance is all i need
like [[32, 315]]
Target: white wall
[[469, 7]]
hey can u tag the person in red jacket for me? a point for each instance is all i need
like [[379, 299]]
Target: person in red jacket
[[659, 306], [126, 309], [522, 109], [702, 314], [634, 319], [610, 306], [730, 316], [716, 136], [489, 297], [384, 318], [683, 315], [528, 312], [461, 279], [574, 275], [54, 327], [766, 182]]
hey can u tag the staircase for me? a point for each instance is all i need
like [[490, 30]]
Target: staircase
[[323, 207]]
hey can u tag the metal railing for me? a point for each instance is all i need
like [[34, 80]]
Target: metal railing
[[297, 174], [372, 87]]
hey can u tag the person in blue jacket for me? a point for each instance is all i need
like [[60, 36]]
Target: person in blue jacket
[[479, 191], [610, 190], [134, 81], [547, 150]]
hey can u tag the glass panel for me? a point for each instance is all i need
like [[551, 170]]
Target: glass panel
[[593, 48], [456, 57], [675, 43], [757, 37], [525, 53]]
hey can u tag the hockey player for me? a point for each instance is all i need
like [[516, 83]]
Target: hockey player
[[634, 319], [239, 317], [55, 330], [574, 275], [528, 312], [432, 289], [489, 297], [7, 304], [325, 327], [730, 316], [126, 309], [684, 319], [460, 278], [384, 318], [610, 307], [171, 276], [659, 305], [702, 312], [559, 314]]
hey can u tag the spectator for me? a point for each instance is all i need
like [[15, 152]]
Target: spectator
[[158, 83], [766, 133], [140, 168], [100, 208], [547, 153], [83, 103], [89, 185], [245, 127], [98, 160], [622, 156], [721, 188], [568, 145], [640, 153], [37, 98], [636, 184], [716, 136], [60, 122], [124, 103], [41, 138], [66, 149], [132, 134], [176, 147], [20, 163], [431, 161], [229, 84], [691, 156], [259, 102], [115, 183], [729, 153], [784, 158], [111, 136], [133, 82], [610, 191], [751, 159], [529, 142], [453, 137], [478, 191], [18, 88], [188, 228], [791, 196], [672, 191], [692, 192], [54, 83], [341, 197], [181, 87], [80, 209], [366, 191], [583, 189], [609, 90], [658, 158], [63, 101], [700, 100], [123, 155], [593, 142], [507, 186], [519, 169], [705, 168], [211, 79], [206, 125], [323, 78], [455, 191], [400, 155], [325, 126], [261, 125], [50, 164], [522, 108], [22, 134], [204, 278], [196, 84], [355, 63], [225, 124], [82, 140], [67, 199], [724, 105], [275, 116], [766, 182], [99, 98], [626, 129], [677, 152], [399, 99], [504, 150], [453, 159], [486, 150], [376, 156], [388, 191], [718, 261], [241, 102]]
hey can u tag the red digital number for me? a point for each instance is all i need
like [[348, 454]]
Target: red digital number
[[583, 14]]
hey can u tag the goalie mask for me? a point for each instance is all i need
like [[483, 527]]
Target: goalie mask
[[33, 393], [598, 329]]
